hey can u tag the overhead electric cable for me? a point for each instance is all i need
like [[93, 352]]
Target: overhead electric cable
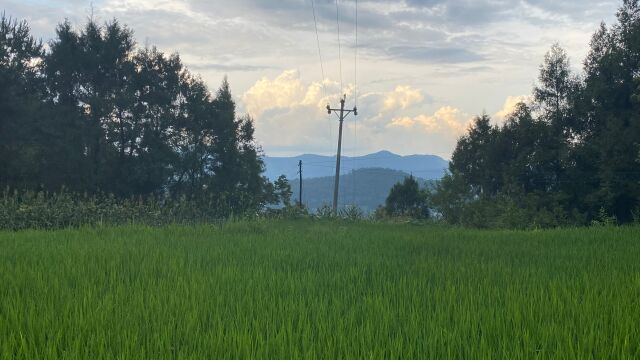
[[339, 46], [315, 22], [355, 95], [322, 82], [355, 65]]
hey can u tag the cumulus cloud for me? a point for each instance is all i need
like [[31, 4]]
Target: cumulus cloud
[[287, 91], [402, 97], [447, 120], [510, 105], [290, 113], [284, 91]]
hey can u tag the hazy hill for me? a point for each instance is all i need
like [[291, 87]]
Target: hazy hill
[[366, 188], [423, 166]]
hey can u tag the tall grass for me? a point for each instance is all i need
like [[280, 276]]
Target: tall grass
[[319, 290]]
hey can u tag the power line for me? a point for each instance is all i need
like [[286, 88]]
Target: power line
[[339, 47], [315, 21], [355, 66], [322, 166], [355, 95], [322, 82]]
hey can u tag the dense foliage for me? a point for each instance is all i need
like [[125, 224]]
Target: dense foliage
[[311, 290], [407, 199], [566, 158], [93, 113], [41, 210]]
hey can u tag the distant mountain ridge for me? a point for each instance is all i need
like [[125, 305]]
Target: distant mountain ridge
[[428, 167]]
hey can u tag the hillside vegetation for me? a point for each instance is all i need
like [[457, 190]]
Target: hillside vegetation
[[365, 188]]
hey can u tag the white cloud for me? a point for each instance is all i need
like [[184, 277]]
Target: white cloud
[[401, 98], [510, 105], [284, 91], [287, 90], [447, 120], [289, 113]]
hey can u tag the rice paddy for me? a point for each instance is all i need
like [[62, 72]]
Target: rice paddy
[[319, 290]]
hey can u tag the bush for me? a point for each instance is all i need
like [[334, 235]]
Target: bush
[[324, 212], [604, 219], [513, 211], [352, 213], [42, 210], [287, 212]]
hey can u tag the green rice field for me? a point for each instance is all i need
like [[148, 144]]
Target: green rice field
[[319, 290]]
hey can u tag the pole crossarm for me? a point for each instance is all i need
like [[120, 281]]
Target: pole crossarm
[[344, 111]]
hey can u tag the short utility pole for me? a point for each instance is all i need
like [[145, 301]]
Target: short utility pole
[[342, 115], [300, 193]]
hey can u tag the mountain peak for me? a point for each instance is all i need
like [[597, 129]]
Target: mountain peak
[[383, 153], [424, 166]]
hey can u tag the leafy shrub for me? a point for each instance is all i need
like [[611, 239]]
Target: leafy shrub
[[636, 216], [513, 211], [324, 212], [604, 219], [42, 210], [380, 214], [352, 213], [286, 212]]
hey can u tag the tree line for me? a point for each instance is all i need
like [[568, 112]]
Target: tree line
[[91, 112], [570, 156]]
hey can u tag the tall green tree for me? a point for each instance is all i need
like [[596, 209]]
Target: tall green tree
[[407, 199], [251, 180], [477, 158], [20, 104], [282, 191], [151, 142], [612, 120], [90, 76], [66, 161], [555, 90], [94, 113], [529, 162], [570, 157]]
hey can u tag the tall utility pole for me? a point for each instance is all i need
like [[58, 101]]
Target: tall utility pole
[[343, 114], [300, 193]]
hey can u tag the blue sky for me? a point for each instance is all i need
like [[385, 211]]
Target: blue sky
[[425, 66]]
